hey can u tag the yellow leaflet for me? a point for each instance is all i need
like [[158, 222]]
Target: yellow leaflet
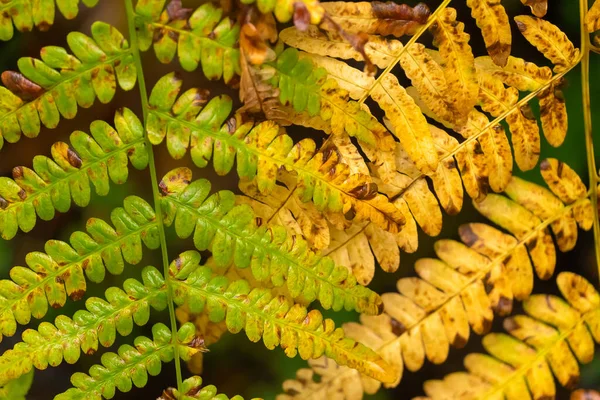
[[549, 40], [446, 179], [592, 19], [518, 73], [453, 43], [408, 122], [427, 76], [553, 113], [492, 20]]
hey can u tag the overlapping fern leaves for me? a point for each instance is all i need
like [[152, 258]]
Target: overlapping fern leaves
[[313, 220]]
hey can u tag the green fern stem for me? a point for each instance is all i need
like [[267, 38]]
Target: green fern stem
[[587, 125], [155, 191]]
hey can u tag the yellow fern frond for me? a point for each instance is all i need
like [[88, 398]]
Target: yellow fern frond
[[552, 339], [470, 281]]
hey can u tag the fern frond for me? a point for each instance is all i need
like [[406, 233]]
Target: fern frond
[[27, 14], [377, 17], [59, 272], [52, 183], [192, 389], [204, 38], [492, 20], [64, 340], [62, 82], [275, 320], [472, 280], [551, 340], [130, 366], [232, 233], [261, 151]]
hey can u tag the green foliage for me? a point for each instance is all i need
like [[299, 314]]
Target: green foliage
[[17, 389], [269, 317], [233, 234], [204, 38], [51, 185], [59, 271], [130, 366], [60, 82], [25, 14]]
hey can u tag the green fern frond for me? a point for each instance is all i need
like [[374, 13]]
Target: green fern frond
[[553, 339], [204, 38], [25, 14], [261, 151], [61, 82], [233, 234], [59, 272], [130, 366], [50, 344], [192, 389], [275, 320], [51, 185]]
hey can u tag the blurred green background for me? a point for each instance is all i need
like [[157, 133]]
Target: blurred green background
[[234, 364]]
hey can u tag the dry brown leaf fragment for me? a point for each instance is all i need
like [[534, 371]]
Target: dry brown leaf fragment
[[458, 61], [492, 19], [538, 7], [550, 41], [380, 18]]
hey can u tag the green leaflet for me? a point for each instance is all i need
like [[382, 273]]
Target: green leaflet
[[132, 365], [51, 185], [25, 14], [192, 389], [204, 38], [17, 389], [233, 234], [66, 81], [50, 344], [271, 318], [191, 121], [59, 272], [308, 89]]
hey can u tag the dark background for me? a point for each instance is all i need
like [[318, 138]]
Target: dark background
[[234, 364]]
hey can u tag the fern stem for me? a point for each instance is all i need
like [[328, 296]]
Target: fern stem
[[587, 126], [155, 190]]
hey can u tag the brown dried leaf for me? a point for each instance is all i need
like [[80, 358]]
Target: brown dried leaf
[[538, 7], [377, 17]]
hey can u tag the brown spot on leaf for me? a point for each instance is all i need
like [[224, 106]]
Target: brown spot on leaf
[[504, 306], [77, 294], [398, 327], [3, 203], [74, 158], [301, 16]]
